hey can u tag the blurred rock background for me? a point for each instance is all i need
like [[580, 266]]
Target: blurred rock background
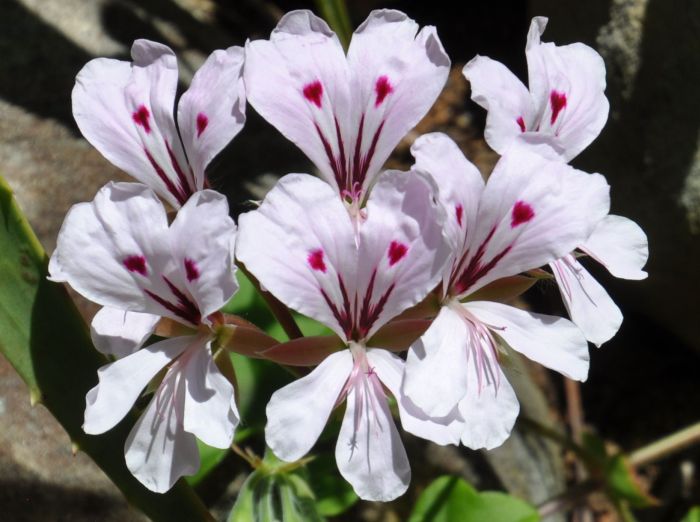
[[643, 384]]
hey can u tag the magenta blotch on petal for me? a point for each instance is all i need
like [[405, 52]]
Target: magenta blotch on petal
[[522, 213]]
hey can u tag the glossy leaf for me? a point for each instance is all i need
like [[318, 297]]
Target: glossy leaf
[[448, 499], [48, 343]]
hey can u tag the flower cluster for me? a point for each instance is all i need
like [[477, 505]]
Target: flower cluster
[[391, 261]]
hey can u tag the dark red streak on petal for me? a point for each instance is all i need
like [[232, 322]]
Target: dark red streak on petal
[[141, 116], [202, 122], [343, 168], [331, 158], [521, 213], [383, 88], [313, 92], [367, 159], [475, 270], [137, 264], [558, 101], [344, 315], [397, 251], [181, 198], [186, 187], [459, 212], [315, 260], [191, 270], [184, 308], [370, 313], [521, 124]]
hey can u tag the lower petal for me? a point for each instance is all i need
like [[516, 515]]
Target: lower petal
[[119, 332], [589, 305], [210, 409], [436, 378], [369, 452], [297, 413], [489, 411], [551, 341], [158, 450], [440, 430], [120, 383]]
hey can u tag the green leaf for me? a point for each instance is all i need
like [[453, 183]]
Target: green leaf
[[335, 13], [451, 499], [308, 327], [692, 516], [624, 485], [333, 494], [46, 340]]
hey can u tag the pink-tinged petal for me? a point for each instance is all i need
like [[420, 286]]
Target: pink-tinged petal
[[202, 238], [300, 245], [299, 81], [511, 111], [125, 110], [121, 333], [589, 305], [397, 74], [121, 383], [620, 245], [568, 87], [369, 451], [158, 450], [459, 182], [212, 111], [533, 210], [489, 411], [297, 413], [552, 341], [210, 409], [436, 377], [110, 249], [401, 249], [390, 370]]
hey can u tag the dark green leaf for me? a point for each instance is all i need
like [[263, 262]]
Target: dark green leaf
[[451, 499]]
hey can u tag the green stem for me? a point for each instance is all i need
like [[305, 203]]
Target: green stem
[[335, 13], [666, 446]]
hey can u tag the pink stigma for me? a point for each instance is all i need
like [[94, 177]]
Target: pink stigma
[[383, 88], [315, 260], [521, 124], [191, 270], [136, 264], [141, 117], [558, 102], [397, 251], [522, 213], [202, 122], [313, 92], [459, 212]]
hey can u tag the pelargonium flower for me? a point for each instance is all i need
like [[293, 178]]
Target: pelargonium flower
[[346, 113], [565, 106], [620, 245], [125, 110], [531, 211], [306, 249], [120, 252]]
